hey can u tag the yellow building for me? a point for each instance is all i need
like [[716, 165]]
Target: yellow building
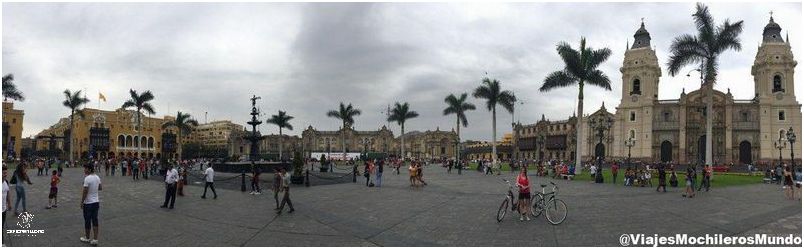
[[12, 130], [477, 150], [108, 134]]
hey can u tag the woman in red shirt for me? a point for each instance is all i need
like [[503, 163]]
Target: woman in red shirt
[[523, 182]]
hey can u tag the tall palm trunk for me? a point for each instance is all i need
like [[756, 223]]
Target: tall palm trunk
[[403, 142], [579, 126], [710, 113], [343, 141], [494, 137], [72, 131], [458, 144], [178, 141], [139, 135], [280, 144]]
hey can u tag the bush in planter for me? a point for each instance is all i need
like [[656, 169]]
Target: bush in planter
[[324, 163], [298, 167]]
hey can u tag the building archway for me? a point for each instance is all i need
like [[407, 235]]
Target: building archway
[[745, 152], [666, 151], [600, 150]]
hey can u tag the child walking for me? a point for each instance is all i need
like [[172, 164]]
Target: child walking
[[54, 190]]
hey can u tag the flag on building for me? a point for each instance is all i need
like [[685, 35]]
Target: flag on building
[[101, 97]]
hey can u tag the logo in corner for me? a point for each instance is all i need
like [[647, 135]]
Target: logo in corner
[[25, 220]]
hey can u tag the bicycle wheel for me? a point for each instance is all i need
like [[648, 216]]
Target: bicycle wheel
[[555, 211], [538, 205], [503, 209]]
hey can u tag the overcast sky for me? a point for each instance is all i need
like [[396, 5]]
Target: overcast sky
[[306, 58]]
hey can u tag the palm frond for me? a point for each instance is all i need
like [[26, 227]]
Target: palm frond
[[597, 57], [558, 79], [598, 78], [507, 100], [704, 22], [571, 58]]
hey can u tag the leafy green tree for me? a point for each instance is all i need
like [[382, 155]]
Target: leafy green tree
[[73, 101], [346, 114], [283, 121], [184, 125], [400, 114], [458, 106], [141, 102], [580, 68], [491, 91], [703, 51]]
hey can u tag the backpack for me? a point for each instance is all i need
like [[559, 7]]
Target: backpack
[[13, 179]]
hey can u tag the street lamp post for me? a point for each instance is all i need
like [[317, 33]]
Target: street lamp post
[[630, 143], [600, 124], [791, 138], [780, 145]]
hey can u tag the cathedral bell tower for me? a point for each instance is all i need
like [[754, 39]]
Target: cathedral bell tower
[[640, 88], [773, 71]]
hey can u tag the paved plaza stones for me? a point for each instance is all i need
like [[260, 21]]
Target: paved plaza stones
[[453, 210]]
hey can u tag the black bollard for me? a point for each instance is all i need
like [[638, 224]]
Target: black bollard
[[307, 179], [243, 181]]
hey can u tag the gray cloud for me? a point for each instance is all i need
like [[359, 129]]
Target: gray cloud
[[305, 58]]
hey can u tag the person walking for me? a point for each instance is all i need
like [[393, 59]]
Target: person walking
[[143, 169], [276, 186], [135, 166], [380, 166], [787, 175], [255, 181], [412, 171], [706, 175], [18, 179], [523, 182], [367, 172], [690, 190], [171, 178], [662, 179], [209, 178], [90, 204], [182, 178], [614, 170], [285, 188], [106, 164], [420, 173], [54, 191], [123, 166], [6, 198]]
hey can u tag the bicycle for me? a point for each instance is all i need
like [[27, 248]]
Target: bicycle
[[555, 210], [509, 197]]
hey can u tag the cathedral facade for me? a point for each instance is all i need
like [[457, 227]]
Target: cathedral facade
[[744, 130]]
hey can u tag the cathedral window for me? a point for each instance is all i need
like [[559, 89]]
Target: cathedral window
[[666, 116], [744, 116], [777, 83], [781, 115], [633, 116], [636, 87]]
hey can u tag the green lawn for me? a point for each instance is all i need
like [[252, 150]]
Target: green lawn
[[718, 179]]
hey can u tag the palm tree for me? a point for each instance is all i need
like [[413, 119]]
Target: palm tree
[[281, 120], [458, 106], [346, 114], [184, 124], [580, 67], [491, 92], [10, 90], [74, 101], [703, 50], [141, 103], [400, 114]]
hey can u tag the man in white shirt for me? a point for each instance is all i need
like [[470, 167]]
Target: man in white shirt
[[209, 177], [90, 203], [286, 188], [171, 178]]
